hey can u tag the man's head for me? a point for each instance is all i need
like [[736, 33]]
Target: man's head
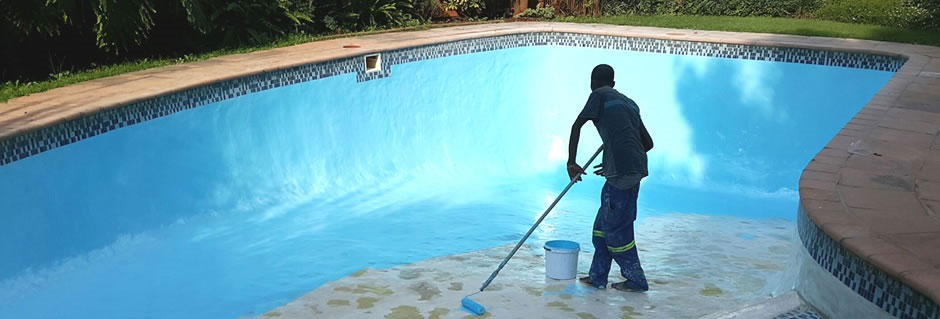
[[602, 75]]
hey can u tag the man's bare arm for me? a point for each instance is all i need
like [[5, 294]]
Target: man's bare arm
[[574, 170]]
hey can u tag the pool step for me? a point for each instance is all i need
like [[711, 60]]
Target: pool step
[[786, 306]]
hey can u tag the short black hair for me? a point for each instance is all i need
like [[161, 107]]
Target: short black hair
[[602, 73]]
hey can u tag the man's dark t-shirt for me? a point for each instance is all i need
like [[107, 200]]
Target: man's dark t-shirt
[[617, 119]]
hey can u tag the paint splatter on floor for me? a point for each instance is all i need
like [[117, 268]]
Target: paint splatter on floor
[[365, 302], [378, 290], [585, 315], [485, 315], [560, 305], [404, 312], [438, 313], [629, 312], [730, 271], [426, 290], [537, 292], [337, 302], [710, 290]]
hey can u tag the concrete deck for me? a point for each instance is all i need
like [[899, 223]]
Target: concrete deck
[[875, 188]]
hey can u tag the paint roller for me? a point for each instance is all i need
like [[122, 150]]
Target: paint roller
[[478, 309]]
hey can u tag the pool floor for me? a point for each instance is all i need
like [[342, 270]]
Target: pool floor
[[696, 264]]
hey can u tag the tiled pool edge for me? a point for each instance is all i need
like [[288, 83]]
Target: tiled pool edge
[[867, 213], [866, 280], [101, 120], [31, 143]]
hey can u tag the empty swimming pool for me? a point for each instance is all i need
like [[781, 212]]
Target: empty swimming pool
[[238, 206]]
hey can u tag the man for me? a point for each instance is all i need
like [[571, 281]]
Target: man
[[626, 142]]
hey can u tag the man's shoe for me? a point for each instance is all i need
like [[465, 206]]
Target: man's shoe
[[587, 281], [626, 286]]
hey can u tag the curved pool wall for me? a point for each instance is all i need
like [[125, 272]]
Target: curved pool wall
[[840, 284], [269, 185]]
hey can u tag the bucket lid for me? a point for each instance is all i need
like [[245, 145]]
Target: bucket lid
[[562, 246]]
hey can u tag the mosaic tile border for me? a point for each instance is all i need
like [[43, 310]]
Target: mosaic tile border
[[890, 294], [44, 139]]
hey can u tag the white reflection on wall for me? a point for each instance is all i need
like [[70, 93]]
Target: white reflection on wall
[[755, 81]]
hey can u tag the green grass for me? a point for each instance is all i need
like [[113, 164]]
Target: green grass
[[11, 90], [808, 27]]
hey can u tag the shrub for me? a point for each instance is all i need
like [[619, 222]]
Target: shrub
[[892, 13], [52, 36], [637, 7], [773, 8], [776, 8], [576, 7], [465, 8], [497, 8], [427, 10], [30, 18], [356, 15], [244, 21], [546, 13], [931, 18]]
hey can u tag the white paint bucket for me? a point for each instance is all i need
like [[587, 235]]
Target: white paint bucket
[[561, 259]]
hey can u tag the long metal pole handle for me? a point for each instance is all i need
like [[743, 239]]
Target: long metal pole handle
[[536, 225]]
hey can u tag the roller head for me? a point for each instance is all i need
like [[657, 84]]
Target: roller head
[[472, 306]]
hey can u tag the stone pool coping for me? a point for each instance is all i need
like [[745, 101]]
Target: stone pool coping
[[878, 200]]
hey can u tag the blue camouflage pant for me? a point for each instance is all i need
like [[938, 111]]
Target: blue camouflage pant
[[613, 238]]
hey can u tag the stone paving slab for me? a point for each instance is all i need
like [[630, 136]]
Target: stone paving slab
[[888, 136], [886, 184]]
